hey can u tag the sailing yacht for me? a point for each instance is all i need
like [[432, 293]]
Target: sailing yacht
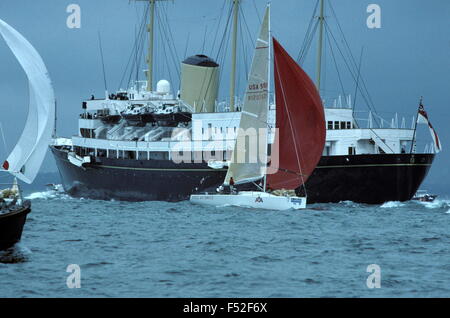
[[27, 156], [299, 135]]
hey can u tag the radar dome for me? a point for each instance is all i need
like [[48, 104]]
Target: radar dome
[[163, 87]]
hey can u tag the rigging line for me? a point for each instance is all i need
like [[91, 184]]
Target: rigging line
[[257, 12], [103, 61], [348, 66], [225, 34], [136, 61], [204, 39], [139, 52], [172, 42], [357, 83], [351, 55], [132, 51], [222, 50], [187, 45], [219, 22], [249, 33], [309, 43], [137, 42], [308, 34], [362, 94], [334, 59], [347, 46], [171, 50], [167, 61]]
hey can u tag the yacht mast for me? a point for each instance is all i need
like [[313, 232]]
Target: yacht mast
[[320, 46], [233, 55], [269, 62]]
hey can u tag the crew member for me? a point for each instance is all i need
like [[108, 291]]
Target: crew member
[[231, 185]]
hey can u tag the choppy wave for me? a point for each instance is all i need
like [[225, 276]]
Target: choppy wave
[[436, 204], [46, 195], [392, 205]]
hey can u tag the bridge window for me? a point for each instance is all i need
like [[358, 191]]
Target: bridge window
[[336, 125], [330, 125], [343, 125], [349, 125]]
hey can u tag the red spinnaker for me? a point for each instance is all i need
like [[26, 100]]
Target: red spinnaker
[[300, 122]]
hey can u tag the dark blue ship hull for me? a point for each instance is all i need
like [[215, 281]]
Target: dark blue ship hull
[[136, 180], [371, 179], [11, 225]]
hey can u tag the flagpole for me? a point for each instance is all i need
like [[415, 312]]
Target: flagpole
[[415, 126]]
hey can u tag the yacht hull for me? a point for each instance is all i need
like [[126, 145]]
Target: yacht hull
[[372, 179], [11, 226], [253, 200]]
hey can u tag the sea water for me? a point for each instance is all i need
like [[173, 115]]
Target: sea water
[[159, 249]]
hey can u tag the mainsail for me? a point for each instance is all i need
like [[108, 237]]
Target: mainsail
[[26, 158], [250, 152], [300, 123]]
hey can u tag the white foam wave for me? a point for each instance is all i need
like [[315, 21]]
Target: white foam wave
[[46, 195], [392, 204], [436, 204]]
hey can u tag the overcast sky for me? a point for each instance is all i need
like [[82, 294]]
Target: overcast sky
[[409, 56]]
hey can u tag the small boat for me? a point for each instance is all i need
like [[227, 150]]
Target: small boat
[[424, 196], [172, 119], [27, 156], [13, 215], [138, 115], [110, 119], [299, 135]]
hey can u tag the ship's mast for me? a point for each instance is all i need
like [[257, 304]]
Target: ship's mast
[[233, 54], [320, 45], [151, 32]]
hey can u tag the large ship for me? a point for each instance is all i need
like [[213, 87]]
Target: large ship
[[144, 144]]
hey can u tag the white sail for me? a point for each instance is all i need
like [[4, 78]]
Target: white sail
[[249, 160], [26, 158]]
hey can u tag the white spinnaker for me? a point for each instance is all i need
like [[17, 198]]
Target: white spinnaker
[[27, 156], [249, 158]]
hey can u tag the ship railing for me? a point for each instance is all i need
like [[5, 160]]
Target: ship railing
[[191, 145], [373, 120]]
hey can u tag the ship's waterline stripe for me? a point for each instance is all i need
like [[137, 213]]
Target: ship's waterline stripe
[[159, 169], [209, 170]]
